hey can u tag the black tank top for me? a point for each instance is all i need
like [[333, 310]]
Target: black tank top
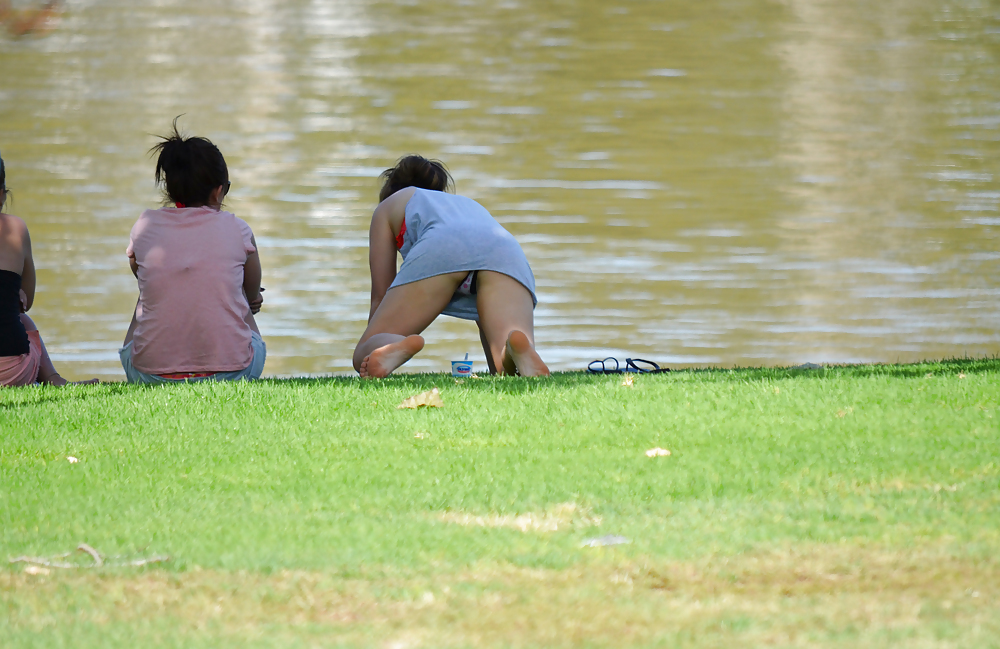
[[13, 338]]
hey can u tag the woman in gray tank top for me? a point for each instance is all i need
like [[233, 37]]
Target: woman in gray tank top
[[457, 260]]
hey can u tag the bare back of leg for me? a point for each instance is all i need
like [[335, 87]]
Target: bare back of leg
[[506, 321], [392, 336]]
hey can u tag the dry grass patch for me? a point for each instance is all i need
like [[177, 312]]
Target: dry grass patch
[[560, 517], [821, 596]]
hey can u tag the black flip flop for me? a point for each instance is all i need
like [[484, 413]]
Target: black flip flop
[[643, 366], [602, 366]]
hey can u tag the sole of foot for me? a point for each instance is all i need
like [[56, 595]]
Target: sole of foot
[[383, 361], [526, 359]]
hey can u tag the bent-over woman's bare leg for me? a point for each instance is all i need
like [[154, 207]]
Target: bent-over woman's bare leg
[[392, 336], [506, 321], [486, 349]]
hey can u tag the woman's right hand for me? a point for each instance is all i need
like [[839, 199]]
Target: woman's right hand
[[256, 304]]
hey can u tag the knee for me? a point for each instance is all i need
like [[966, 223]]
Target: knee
[[29, 325]]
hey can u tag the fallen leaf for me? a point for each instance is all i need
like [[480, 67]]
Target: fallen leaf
[[961, 376], [72, 460], [36, 570], [419, 435], [657, 452], [627, 382], [430, 399]]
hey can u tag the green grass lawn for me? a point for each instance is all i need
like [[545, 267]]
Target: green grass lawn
[[855, 506]]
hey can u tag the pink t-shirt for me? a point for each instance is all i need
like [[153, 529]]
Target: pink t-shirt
[[192, 310]]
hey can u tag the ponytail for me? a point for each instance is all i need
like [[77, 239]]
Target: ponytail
[[415, 171], [188, 168]]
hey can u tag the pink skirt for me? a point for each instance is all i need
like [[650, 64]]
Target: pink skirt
[[23, 369]]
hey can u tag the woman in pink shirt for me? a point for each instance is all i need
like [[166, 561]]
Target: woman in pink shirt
[[199, 276]]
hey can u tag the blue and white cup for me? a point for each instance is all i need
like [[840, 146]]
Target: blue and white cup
[[461, 369]]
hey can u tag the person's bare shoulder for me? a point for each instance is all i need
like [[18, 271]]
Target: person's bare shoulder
[[13, 221], [393, 208], [13, 229], [13, 242]]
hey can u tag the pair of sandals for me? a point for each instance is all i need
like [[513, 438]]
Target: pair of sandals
[[610, 366]]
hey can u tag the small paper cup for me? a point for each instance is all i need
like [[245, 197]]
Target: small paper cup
[[461, 368]]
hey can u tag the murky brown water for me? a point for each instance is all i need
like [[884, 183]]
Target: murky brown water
[[718, 182]]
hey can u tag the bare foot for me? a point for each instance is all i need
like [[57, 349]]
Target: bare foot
[[383, 361], [525, 358]]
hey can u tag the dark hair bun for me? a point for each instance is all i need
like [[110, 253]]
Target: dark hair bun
[[189, 168], [415, 171]]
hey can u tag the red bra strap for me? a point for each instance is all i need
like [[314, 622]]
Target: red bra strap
[[399, 237]]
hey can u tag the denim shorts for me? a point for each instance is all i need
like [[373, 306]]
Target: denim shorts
[[252, 371]]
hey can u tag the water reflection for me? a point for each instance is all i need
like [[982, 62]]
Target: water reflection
[[704, 183]]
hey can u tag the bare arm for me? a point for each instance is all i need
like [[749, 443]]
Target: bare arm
[[381, 255], [134, 265], [132, 325], [28, 279], [251, 275]]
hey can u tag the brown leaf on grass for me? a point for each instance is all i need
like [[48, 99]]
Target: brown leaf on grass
[[657, 452], [627, 382], [430, 399]]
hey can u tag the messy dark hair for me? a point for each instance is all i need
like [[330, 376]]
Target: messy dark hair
[[415, 171], [189, 168]]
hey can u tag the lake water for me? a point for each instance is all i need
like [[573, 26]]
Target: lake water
[[723, 182]]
